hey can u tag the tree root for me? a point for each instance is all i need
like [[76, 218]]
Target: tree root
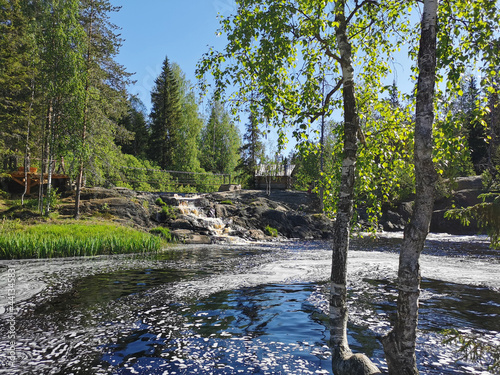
[[354, 364]]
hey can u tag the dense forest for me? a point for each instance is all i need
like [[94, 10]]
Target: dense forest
[[65, 108]]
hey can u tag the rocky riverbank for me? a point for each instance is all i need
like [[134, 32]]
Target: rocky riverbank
[[463, 192], [216, 217], [249, 215], [245, 214]]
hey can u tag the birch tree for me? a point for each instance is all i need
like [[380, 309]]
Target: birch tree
[[60, 39], [455, 35], [191, 123], [104, 93], [399, 345], [220, 141], [283, 51]]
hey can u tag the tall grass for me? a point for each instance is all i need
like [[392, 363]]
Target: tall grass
[[19, 241]]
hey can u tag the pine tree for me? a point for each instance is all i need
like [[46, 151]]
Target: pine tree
[[165, 117], [252, 151]]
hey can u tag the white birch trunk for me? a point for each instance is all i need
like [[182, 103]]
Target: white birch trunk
[[50, 156], [27, 153], [399, 344], [343, 360]]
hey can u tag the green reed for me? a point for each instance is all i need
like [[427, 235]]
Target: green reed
[[67, 240]]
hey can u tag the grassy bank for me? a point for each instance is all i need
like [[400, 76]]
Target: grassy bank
[[22, 241]]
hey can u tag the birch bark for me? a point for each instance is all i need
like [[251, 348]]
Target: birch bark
[[399, 344], [343, 360]]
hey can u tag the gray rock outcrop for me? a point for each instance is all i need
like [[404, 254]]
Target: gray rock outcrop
[[245, 214]]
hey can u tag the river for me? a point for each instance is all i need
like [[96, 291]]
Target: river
[[245, 308]]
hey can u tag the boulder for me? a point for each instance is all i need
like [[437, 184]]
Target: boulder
[[302, 232], [275, 216], [439, 224], [299, 220], [220, 210], [257, 234], [229, 187], [188, 237], [469, 183]]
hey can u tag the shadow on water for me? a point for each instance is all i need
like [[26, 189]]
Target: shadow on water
[[102, 288], [454, 305], [477, 247], [280, 329], [98, 290], [445, 305]]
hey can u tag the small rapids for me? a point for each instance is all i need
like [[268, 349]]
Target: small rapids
[[249, 309]]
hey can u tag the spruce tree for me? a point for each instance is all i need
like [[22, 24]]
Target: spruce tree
[[252, 151], [165, 117], [135, 122], [220, 142], [16, 72], [476, 131]]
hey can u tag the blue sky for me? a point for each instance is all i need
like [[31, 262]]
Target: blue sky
[[153, 29], [181, 30], [184, 30]]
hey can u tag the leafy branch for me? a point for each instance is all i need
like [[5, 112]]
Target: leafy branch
[[487, 215]]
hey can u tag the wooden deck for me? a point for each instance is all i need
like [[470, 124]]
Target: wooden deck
[[34, 178]]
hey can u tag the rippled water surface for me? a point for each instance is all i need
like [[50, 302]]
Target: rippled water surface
[[249, 309]]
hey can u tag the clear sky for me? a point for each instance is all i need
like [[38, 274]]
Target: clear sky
[[184, 30], [181, 29]]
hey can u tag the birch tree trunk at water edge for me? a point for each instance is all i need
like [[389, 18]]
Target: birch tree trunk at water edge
[[399, 344], [343, 360]]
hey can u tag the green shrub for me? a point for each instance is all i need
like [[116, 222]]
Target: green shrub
[[3, 194], [227, 202], [169, 212], [54, 199], [162, 232], [30, 204], [270, 231], [159, 202]]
